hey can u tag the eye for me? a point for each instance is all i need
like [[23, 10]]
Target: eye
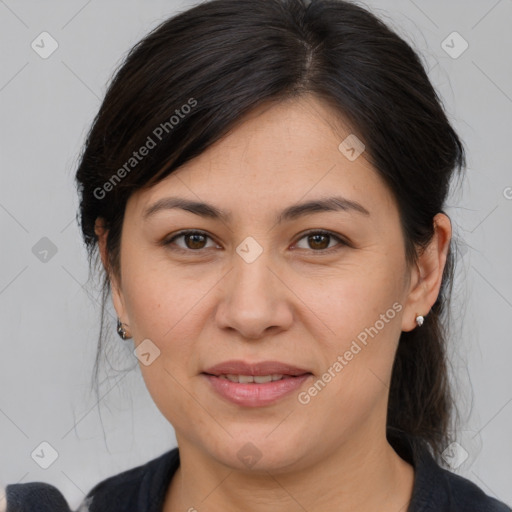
[[194, 240], [318, 240]]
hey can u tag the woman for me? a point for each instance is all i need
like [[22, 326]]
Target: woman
[[265, 183]]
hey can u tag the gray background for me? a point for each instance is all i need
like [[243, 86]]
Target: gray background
[[49, 313]]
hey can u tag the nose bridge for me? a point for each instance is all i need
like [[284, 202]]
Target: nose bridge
[[252, 301], [251, 280]]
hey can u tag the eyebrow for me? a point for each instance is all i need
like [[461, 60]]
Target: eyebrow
[[330, 204]]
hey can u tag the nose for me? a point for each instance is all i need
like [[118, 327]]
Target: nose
[[254, 299]]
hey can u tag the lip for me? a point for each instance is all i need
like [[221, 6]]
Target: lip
[[253, 394], [237, 367]]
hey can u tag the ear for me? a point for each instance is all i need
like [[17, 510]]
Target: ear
[[426, 277], [117, 295]]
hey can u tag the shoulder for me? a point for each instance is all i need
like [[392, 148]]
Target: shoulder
[[467, 496], [437, 488], [34, 496], [136, 489]]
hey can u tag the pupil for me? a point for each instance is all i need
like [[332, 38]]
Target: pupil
[[196, 236], [316, 237]]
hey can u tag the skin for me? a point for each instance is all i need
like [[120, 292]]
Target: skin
[[295, 303]]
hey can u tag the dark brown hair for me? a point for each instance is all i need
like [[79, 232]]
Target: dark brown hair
[[221, 59]]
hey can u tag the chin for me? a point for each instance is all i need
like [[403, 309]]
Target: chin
[[261, 453]]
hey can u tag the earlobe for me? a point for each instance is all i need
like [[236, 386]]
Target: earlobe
[[428, 274], [415, 299]]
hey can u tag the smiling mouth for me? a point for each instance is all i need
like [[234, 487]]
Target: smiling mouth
[[256, 379], [255, 390]]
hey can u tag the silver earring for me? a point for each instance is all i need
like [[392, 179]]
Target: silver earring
[[419, 320], [121, 330]]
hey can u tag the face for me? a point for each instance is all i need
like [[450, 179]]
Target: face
[[324, 291]]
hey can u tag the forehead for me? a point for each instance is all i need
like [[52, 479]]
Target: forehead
[[277, 155]]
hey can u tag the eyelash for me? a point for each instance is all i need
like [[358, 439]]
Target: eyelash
[[342, 242]]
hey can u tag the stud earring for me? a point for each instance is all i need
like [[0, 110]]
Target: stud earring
[[121, 330], [419, 320]]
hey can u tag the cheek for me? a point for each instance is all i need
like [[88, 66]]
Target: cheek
[[354, 383], [353, 299], [164, 306], [162, 310], [362, 310], [154, 294]]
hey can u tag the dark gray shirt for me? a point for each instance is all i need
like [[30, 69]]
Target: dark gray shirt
[[143, 488]]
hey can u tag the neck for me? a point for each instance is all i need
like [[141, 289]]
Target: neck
[[360, 475]]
